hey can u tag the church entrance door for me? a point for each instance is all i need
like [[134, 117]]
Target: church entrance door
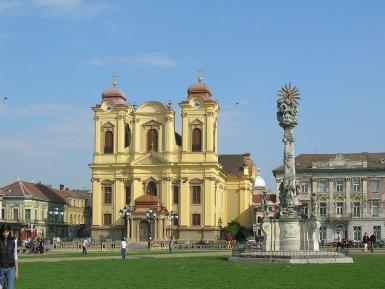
[[143, 231]]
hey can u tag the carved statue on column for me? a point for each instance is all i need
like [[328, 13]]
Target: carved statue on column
[[313, 207], [287, 106]]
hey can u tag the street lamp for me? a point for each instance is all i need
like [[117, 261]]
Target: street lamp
[[125, 213], [150, 214], [172, 216], [220, 223], [55, 213]]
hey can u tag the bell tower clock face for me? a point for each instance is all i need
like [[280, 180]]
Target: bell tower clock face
[[108, 107], [197, 104]]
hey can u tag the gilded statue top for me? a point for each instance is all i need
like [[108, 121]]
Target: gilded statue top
[[287, 105]]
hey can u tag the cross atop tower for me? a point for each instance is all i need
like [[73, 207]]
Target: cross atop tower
[[114, 79], [200, 72]]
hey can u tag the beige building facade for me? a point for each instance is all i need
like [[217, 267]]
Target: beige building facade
[[350, 190], [141, 163], [34, 209]]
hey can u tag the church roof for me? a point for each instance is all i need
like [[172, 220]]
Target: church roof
[[257, 198], [115, 94], [233, 164], [146, 201], [351, 161], [199, 89]]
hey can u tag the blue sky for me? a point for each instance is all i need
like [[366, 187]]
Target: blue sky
[[57, 56]]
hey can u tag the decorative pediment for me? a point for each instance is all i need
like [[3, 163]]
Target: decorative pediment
[[152, 123], [356, 197], [339, 197], [150, 159], [108, 125], [196, 122]]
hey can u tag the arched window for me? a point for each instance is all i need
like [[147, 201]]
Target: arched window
[[151, 189], [108, 195], [128, 194], [152, 140], [127, 136], [196, 140], [108, 142]]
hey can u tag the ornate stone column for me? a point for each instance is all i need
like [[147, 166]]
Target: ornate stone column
[[287, 106]]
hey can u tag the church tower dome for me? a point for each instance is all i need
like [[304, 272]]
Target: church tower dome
[[114, 94], [259, 181], [198, 89]]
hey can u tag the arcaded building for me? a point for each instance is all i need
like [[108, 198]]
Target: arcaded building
[[140, 163]]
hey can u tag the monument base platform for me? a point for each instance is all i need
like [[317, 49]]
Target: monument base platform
[[291, 257]]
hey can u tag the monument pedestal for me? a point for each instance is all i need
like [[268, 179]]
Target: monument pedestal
[[290, 235], [290, 241], [292, 257]]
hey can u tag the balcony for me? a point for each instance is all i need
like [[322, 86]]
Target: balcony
[[344, 216]]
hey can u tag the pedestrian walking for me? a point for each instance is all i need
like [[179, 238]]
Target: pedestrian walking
[[123, 247], [9, 267], [229, 240], [149, 241], [40, 244], [85, 246], [372, 242], [170, 244], [338, 240], [365, 241]]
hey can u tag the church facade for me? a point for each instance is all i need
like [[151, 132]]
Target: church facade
[[141, 165]]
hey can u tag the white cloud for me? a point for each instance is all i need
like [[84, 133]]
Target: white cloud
[[100, 61], [154, 59], [10, 5], [54, 7], [146, 59], [49, 108], [64, 129]]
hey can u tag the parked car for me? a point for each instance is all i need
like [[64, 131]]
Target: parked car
[[56, 239], [251, 241]]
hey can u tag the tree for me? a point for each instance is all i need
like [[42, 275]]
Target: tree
[[236, 230]]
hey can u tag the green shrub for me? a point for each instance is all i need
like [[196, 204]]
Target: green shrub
[[236, 230]]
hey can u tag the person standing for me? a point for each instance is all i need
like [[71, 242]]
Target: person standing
[[9, 266], [41, 246], [365, 241], [229, 240], [338, 240], [85, 246], [372, 242], [123, 247], [170, 244]]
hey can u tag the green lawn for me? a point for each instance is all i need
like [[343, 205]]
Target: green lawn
[[201, 272], [117, 253]]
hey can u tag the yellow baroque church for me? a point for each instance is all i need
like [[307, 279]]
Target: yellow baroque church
[[166, 183]]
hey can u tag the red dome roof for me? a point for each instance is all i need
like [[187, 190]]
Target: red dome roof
[[114, 93], [146, 201], [199, 89]]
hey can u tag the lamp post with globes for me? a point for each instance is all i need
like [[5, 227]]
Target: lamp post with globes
[[55, 213], [172, 217], [151, 215], [126, 214]]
